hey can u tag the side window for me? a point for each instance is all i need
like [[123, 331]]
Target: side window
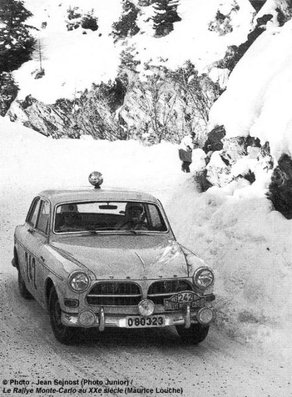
[[44, 216], [156, 218], [33, 212]]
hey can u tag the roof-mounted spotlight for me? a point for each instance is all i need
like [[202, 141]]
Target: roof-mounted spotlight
[[96, 179]]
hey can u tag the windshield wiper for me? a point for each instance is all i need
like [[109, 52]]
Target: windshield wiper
[[89, 231], [113, 231], [131, 231], [136, 232], [148, 233]]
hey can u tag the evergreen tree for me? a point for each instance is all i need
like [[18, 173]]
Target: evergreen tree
[[126, 26], [165, 16], [8, 92], [16, 44]]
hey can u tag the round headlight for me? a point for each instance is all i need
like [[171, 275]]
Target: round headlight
[[203, 277], [146, 307], [79, 282]]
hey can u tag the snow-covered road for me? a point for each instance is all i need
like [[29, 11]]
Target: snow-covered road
[[222, 365], [151, 359]]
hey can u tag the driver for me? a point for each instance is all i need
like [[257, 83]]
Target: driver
[[134, 214]]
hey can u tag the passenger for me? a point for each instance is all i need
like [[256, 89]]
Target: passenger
[[71, 218]]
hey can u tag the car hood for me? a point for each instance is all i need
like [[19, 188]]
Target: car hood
[[120, 256]]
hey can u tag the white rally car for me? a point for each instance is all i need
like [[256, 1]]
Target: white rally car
[[108, 258]]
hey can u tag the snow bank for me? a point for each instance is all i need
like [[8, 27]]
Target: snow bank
[[241, 238], [257, 101], [249, 246], [37, 161]]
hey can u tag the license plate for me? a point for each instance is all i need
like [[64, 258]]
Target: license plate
[[183, 299], [144, 322]]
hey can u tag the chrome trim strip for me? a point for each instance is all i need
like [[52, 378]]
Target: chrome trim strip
[[166, 293], [111, 320], [141, 260], [101, 320], [116, 281], [113, 296], [187, 317]]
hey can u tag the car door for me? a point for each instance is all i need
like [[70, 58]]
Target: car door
[[26, 257], [35, 242]]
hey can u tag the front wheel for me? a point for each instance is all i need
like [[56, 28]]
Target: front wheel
[[24, 292], [194, 335], [62, 333]]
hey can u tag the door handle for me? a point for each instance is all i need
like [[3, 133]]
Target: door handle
[[42, 259]]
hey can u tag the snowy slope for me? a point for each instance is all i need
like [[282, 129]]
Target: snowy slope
[[73, 60], [245, 242], [257, 101]]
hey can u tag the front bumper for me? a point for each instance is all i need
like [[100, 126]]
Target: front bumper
[[101, 320]]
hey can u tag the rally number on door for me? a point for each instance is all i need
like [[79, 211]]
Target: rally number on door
[[30, 269]]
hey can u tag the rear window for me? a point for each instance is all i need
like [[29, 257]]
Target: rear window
[[108, 216]]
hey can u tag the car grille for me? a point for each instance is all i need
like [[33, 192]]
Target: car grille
[[114, 294], [160, 290]]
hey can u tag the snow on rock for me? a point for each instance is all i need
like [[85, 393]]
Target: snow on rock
[[258, 96], [202, 44], [55, 13], [275, 8], [238, 234]]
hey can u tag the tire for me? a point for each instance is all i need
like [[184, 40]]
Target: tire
[[193, 335], [24, 292], [61, 332]]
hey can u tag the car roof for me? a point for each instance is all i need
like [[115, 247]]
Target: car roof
[[91, 194]]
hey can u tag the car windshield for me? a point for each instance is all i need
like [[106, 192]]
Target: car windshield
[[108, 216]]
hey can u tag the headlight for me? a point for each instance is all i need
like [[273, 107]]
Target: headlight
[[79, 281], [203, 277]]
